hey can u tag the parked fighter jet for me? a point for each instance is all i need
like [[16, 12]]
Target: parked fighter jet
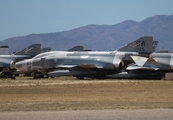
[[75, 48], [8, 61], [93, 64], [159, 63], [144, 46], [101, 63]]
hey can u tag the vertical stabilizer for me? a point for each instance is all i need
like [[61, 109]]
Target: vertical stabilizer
[[4, 50], [45, 49], [77, 48], [143, 45], [32, 50]]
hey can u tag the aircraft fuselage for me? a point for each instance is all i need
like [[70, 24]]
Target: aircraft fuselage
[[68, 60]]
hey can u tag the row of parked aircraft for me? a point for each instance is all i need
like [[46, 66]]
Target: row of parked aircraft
[[135, 60]]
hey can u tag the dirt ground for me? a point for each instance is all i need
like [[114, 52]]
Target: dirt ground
[[67, 93]]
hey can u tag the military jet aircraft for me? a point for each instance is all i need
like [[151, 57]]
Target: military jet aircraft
[[86, 63], [156, 63], [144, 46], [8, 61]]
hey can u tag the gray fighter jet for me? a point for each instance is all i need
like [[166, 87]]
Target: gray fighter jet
[[85, 63], [7, 61]]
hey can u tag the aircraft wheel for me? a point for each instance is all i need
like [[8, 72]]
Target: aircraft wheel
[[52, 76], [92, 77], [13, 77], [45, 76], [35, 77]]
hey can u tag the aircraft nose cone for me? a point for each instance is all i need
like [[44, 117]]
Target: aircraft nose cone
[[20, 65]]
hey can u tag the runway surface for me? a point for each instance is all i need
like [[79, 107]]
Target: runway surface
[[137, 114]]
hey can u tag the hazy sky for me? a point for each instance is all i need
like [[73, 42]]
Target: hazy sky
[[24, 17]]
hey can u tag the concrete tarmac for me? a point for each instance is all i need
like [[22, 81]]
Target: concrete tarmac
[[136, 114]]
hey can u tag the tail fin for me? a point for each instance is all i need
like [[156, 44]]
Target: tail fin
[[143, 45], [77, 48], [45, 49], [32, 50], [4, 50]]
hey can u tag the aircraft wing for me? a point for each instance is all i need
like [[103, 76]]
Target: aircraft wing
[[143, 63]]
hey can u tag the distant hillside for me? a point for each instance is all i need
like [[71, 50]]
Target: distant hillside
[[101, 37]]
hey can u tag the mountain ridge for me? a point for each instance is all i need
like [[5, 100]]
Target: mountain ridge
[[101, 37]]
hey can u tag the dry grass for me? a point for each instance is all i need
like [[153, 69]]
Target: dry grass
[[67, 93]]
